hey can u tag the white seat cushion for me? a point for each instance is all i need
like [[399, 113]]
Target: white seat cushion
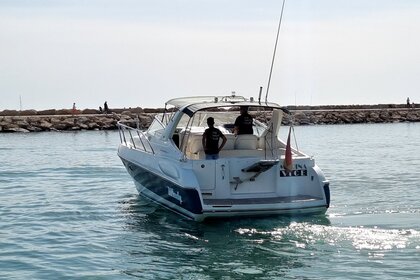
[[246, 142]]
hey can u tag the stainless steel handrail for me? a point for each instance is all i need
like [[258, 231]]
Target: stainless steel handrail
[[145, 146]]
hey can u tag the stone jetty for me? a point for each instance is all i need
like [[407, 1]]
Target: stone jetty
[[351, 115], [66, 120], [88, 119]]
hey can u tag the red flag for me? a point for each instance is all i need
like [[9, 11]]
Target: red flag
[[288, 162]]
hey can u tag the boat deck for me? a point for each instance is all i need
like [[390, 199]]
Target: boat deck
[[267, 200]]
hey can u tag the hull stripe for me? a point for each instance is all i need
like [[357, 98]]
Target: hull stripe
[[188, 199]]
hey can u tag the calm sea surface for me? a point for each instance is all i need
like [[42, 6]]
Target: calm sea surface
[[68, 209]]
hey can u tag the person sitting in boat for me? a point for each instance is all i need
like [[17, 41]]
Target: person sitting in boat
[[243, 123], [210, 140]]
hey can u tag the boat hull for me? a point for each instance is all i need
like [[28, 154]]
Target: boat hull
[[188, 202]]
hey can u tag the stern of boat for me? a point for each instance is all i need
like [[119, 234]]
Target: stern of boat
[[251, 186]]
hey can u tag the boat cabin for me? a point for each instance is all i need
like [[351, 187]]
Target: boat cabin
[[185, 122]]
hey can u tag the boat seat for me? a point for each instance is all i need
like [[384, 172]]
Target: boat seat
[[246, 142], [230, 142], [244, 145], [196, 145]]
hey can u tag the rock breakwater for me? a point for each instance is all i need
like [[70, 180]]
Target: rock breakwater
[[352, 116], [62, 120], [36, 123]]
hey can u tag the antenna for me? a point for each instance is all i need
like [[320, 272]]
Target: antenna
[[259, 96], [275, 49], [20, 102]]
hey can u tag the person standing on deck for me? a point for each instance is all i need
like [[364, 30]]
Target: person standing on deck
[[243, 123], [210, 140]]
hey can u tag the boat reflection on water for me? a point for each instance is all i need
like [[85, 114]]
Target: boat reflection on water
[[237, 247]]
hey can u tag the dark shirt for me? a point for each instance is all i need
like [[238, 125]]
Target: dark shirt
[[212, 135], [244, 124]]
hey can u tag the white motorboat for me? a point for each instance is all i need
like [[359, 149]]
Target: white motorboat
[[250, 178]]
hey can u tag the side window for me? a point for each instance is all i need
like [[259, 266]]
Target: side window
[[156, 128], [181, 132]]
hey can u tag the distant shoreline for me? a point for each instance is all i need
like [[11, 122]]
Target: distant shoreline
[[90, 119]]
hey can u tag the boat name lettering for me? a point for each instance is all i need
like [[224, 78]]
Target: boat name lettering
[[298, 170], [174, 194]]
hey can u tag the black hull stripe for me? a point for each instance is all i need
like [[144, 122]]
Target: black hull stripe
[[188, 199], [176, 211]]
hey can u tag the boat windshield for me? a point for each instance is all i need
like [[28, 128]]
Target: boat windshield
[[156, 128]]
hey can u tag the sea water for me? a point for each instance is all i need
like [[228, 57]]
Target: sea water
[[69, 210]]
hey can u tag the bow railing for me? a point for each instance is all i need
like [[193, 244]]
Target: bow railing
[[134, 138]]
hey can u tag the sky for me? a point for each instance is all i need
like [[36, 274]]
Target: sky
[[137, 53]]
